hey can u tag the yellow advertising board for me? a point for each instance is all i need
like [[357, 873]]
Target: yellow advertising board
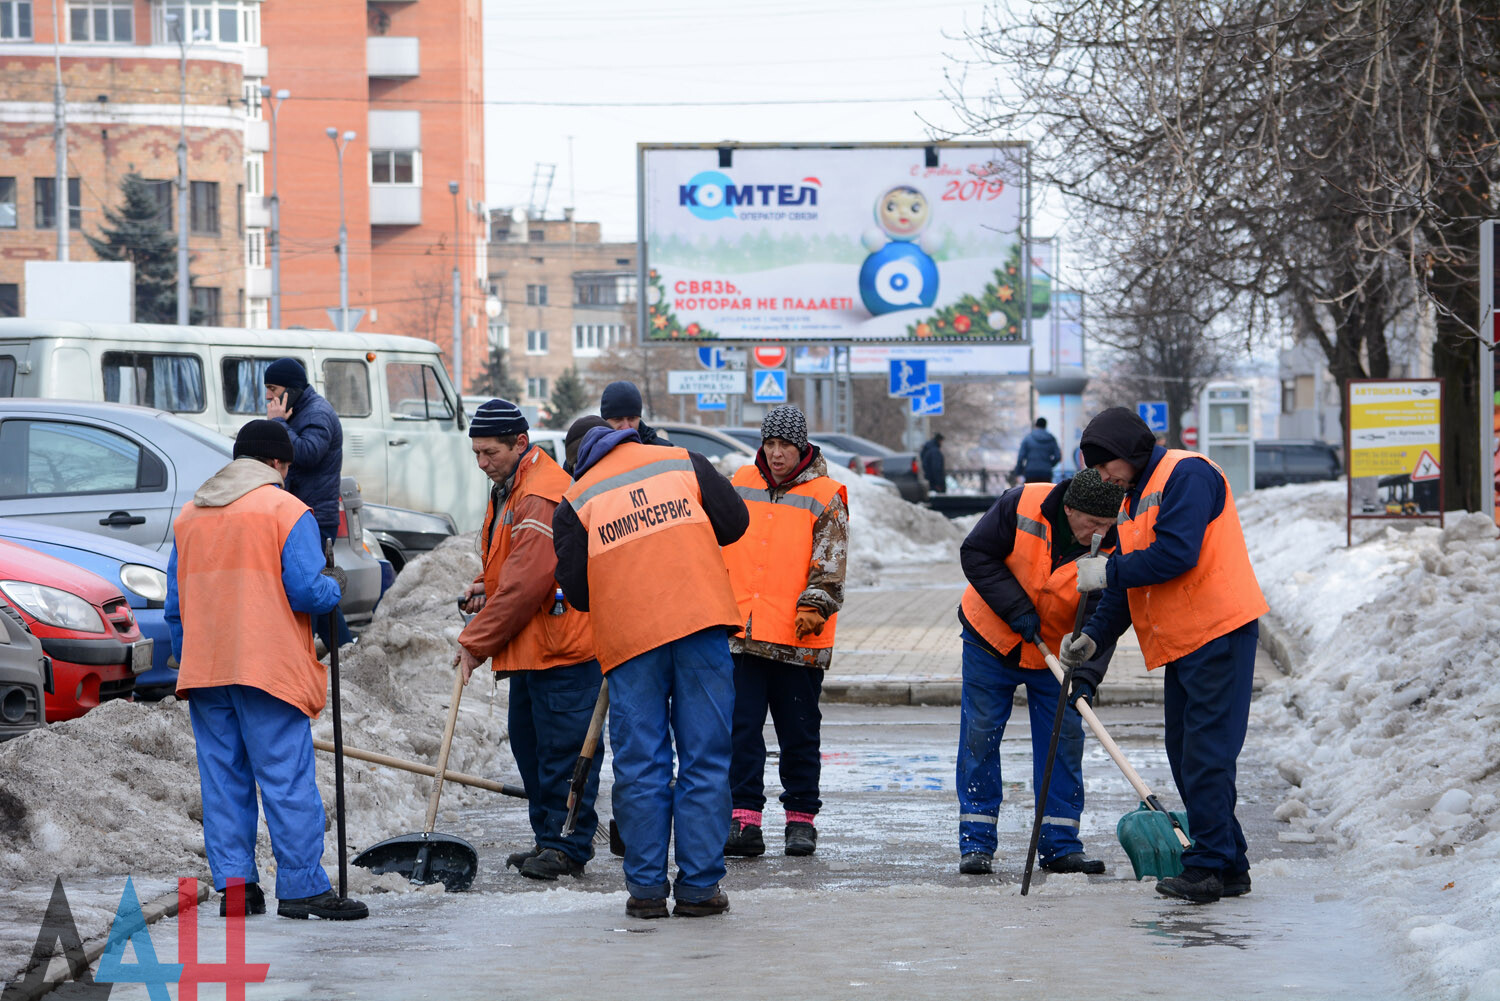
[[1395, 428]]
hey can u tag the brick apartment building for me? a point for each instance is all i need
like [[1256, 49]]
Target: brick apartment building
[[566, 297]]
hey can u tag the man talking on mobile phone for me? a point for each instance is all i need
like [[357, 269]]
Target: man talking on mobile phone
[[317, 453]]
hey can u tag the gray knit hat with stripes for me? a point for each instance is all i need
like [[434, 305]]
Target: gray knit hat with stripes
[[1090, 494], [497, 419], [787, 423]]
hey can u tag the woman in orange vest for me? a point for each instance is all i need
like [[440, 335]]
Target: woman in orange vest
[[1182, 578], [788, 576], [1019, 560], [530, 634]]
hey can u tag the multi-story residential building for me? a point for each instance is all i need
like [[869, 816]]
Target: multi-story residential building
[[122, 69], [567, 298]]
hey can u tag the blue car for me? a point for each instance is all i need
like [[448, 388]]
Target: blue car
[[140, 572]]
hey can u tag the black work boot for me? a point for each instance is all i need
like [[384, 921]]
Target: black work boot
[[1198, 885], [745, 840], [717, 904], [550, 863], [1236, 884], [327, 905], [646, 907], [976, 864], [517, 859], [801, 838], [255, 900], [1075, 862]]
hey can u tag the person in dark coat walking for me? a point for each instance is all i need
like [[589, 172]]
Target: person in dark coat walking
[[317, 452], [1039, 454], [932, 464]]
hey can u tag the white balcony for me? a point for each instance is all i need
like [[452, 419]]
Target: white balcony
[[392, 56], [257, 212], [395, 205], [257, 61], [257, 283], [394, 130], [257, 136]]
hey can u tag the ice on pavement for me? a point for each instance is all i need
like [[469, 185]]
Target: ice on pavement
[[1389, 733]]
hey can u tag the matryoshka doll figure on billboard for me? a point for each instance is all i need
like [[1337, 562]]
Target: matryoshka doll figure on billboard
[[900, 272]]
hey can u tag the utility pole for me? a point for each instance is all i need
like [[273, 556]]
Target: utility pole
[[60, 139], [281, 95], [458, 334], [333, 134], [182, 178]]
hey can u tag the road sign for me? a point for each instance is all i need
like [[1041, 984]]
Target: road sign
[[711, 357], [770, 357], [1154, 414], [1190, 436], [718, 381], [355, 315], [770, 386], [712, 401], [1427, 468], [908, 376], [930, 402]]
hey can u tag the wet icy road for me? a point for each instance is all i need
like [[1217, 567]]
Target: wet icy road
[[879, 912]]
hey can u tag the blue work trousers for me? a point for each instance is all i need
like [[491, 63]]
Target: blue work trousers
[[246, 738], [988, 691], [549, 719], [790, 692], [682, 691], [1207, 712]]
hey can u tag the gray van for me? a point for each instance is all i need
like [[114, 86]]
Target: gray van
[[1295, 460]]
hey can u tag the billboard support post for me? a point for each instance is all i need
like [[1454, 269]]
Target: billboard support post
[[1027, 292], [1486, 349]]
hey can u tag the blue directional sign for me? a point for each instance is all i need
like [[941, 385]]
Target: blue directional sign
[[1154, 414], [770, 386], [711, 401], [929, 403], [711, 358], [908, 376]]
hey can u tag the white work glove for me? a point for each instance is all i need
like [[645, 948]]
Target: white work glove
[[1076, 649], [1091, 573]]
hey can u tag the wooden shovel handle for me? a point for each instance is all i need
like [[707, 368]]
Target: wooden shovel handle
[[442, 761], [390, 761]]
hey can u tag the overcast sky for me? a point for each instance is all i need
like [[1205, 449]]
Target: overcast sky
[[609, 76]]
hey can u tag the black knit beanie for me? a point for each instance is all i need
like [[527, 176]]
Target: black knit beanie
[[574, 437], [263, 439], [620, 399], [1089, 493], [286, 372]]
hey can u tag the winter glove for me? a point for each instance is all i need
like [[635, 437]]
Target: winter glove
[[1092, 573], [339, 577], [809, 620], [1027, 625], [1082, 689], [1076, 649]]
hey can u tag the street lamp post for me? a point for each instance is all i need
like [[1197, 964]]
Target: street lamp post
[[458, 336], [281, 95], [182, 181], [338, 146]]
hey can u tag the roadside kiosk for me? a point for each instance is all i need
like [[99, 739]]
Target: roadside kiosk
[[1226, 437]]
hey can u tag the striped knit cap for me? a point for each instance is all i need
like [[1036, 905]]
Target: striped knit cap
[[496, 419], [787, 423]]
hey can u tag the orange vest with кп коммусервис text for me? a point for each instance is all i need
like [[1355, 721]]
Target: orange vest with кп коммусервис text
[[1054, 593], [654, 567], [1217, 596], [768, 566], [237, 626]]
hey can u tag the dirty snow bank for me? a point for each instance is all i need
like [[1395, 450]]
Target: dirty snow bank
[[1389, 733]]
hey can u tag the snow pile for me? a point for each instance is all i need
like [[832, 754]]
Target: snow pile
[[1390, 730]]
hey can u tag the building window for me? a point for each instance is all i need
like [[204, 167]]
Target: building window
[[45, 190], [395, 166], [536, 295], [255, 174], [536, 387], [165, 193], [258, 313], [101, 20], [591, 338], [205, 306], [226, 22], [10, 300], [15, 20], [604, 290], [255, 248], [536, 234], [252, 98], [536, 342], [499, 336], [8, 215], [203, 201]]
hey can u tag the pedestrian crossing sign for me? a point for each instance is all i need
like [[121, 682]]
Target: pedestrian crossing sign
[[770, 386]]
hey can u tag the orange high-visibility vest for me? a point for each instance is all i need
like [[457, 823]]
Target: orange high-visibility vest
[[655, 571], [1218, 595], [769, 564], [237, 627], [1053, 592], [547, 640]]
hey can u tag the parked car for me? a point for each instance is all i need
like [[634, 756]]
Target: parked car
[[140, 573], [25, 676], [710, 442], [124, 472], [400, 536], [901, 468], [85, 625], [1295, 460]]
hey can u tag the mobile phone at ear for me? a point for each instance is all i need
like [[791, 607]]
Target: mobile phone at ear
[[290, 397]]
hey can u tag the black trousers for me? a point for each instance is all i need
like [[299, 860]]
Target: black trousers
[[790, 692]]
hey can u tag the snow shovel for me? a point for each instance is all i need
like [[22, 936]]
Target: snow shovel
[[1153, 837], [585, 762], [428, 856]]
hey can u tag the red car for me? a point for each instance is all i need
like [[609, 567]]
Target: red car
[[85, 625]]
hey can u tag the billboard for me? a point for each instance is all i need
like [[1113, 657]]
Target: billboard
[[1394, 448], [875, 242]]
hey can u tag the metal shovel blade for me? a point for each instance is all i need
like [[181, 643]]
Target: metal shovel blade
[[1148, 838], [441, 858]]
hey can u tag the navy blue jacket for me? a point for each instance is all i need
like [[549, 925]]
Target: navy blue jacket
[[933, 466], [317, 456], [1039, 453]]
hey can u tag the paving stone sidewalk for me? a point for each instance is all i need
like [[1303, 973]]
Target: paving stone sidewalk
[[898, 645]]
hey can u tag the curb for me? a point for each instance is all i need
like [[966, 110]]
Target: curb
[[1274, 637], [943, 692]]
